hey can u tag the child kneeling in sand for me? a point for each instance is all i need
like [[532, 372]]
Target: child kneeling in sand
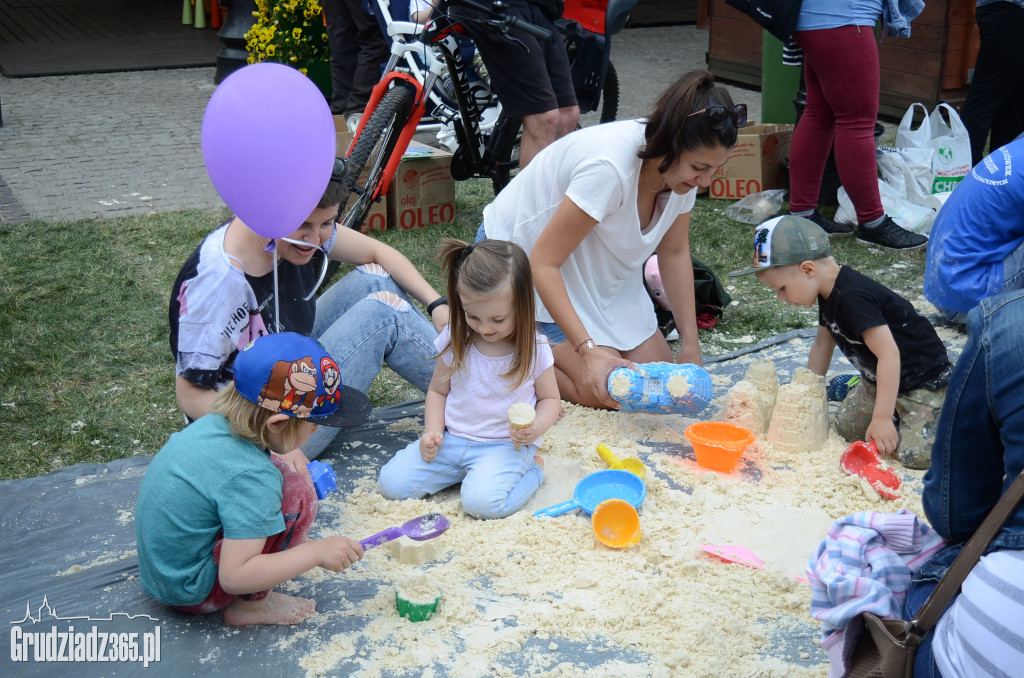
[[225, 506], [903, 362], [489, 357]]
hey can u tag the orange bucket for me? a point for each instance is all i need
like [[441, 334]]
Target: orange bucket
[[718, 444], [616, 523]]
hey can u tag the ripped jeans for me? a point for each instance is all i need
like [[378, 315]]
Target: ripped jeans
[[365, 320]]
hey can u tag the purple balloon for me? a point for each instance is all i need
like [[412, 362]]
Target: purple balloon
[[269, 146]]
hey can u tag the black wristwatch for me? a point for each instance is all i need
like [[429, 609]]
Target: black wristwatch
[[435, 303]]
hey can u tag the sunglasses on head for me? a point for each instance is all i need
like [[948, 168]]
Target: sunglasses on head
[[718, 115], [339, 170]]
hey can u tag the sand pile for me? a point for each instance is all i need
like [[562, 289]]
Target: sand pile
[[541, 596]]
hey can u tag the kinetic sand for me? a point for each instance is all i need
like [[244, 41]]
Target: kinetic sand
[[541, 596]]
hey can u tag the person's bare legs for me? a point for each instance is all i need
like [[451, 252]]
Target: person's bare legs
[[541, 129], [275, 608]]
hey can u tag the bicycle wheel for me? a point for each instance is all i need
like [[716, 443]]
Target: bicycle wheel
[[372, 151], [610, 94], [506, 150]]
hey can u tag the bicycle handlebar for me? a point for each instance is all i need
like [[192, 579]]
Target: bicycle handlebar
[[527, 27], [504, 21]]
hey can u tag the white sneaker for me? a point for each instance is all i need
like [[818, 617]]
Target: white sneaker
[[353, 121]]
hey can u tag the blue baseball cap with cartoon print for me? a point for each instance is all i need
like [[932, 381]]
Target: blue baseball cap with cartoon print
[[294, 375]]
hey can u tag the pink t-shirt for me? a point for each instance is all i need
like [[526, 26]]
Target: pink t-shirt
[[477, 405]]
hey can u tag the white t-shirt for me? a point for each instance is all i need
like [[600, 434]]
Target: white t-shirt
[[982, 632], [477, 405], [598, 169]]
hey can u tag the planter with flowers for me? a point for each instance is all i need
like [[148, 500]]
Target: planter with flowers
[[292, 32]]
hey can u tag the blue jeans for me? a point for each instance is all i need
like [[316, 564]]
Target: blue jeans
[[496, 478], [364, 320], [979, 439]]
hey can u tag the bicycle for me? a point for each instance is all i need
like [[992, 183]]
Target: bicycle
[[410, 89]]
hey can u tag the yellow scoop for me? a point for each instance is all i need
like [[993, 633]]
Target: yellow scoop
[[631, 464]]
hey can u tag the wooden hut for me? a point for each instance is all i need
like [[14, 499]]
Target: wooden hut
[[932, 65]]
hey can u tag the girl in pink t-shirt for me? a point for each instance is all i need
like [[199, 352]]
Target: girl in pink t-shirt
[[489, 357]]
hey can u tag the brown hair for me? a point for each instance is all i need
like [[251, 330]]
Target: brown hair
[[336, 193], [481, 270], [670, 131], [249, 421]]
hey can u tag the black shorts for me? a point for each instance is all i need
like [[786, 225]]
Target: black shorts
[[531, 82]]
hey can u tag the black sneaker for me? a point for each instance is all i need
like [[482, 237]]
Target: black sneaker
[[833, 228], [890, 236]]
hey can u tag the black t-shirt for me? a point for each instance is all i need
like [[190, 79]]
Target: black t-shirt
[[858, 303], [297, 313]]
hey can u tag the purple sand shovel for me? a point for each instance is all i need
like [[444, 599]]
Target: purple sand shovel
[[425, 527]]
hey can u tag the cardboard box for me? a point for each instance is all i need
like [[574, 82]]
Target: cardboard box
[[754, 164], [423, 193], [377, 218]]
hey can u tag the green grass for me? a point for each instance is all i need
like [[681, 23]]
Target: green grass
[[86, 373]]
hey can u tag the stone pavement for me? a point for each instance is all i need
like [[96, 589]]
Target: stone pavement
[[116, 144]]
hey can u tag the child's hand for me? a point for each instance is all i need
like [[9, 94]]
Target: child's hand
[[524, 436], [430, 443], [337, 553], [296, 461], [883, 432]]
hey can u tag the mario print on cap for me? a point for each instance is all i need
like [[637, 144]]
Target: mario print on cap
[[293, 374]]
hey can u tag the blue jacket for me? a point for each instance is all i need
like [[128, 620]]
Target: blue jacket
[[897, 15]]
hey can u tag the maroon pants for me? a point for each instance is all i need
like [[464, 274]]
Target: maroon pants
[[299, 506], [842, 78]]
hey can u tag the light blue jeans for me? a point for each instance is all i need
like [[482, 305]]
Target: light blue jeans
[[496, 478], [364, 320]]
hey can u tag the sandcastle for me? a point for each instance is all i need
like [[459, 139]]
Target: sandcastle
[[792, 417], [749, 403]]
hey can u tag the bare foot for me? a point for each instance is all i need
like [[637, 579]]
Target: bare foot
[[539, 460], [276, 608]]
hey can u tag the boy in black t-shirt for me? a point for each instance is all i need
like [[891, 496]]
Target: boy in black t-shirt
[[903, 362]]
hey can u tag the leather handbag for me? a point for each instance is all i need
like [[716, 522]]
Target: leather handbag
[[887, 648]]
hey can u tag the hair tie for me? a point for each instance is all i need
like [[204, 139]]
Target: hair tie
[[707, 84]]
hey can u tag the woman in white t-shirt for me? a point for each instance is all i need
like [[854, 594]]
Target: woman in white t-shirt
[[592, 207]]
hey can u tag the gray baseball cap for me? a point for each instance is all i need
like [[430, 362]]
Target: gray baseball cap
[[786, 240]]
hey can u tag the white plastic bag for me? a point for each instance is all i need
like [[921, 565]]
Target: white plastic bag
[[757, 208], [846, 214], [907, 136], [952, 147], [906, 214], [908, 171], [945, 148]]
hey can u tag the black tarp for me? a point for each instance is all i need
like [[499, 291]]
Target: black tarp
[[69, 561]]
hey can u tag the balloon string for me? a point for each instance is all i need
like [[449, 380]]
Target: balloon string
[[277, 296]]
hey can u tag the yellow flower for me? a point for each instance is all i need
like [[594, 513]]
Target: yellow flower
[[296, 33], [271, 49]]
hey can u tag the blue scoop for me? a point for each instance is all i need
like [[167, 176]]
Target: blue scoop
[[594, 488]]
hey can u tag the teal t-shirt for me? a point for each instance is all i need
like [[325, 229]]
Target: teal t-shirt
[[204, 480]]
